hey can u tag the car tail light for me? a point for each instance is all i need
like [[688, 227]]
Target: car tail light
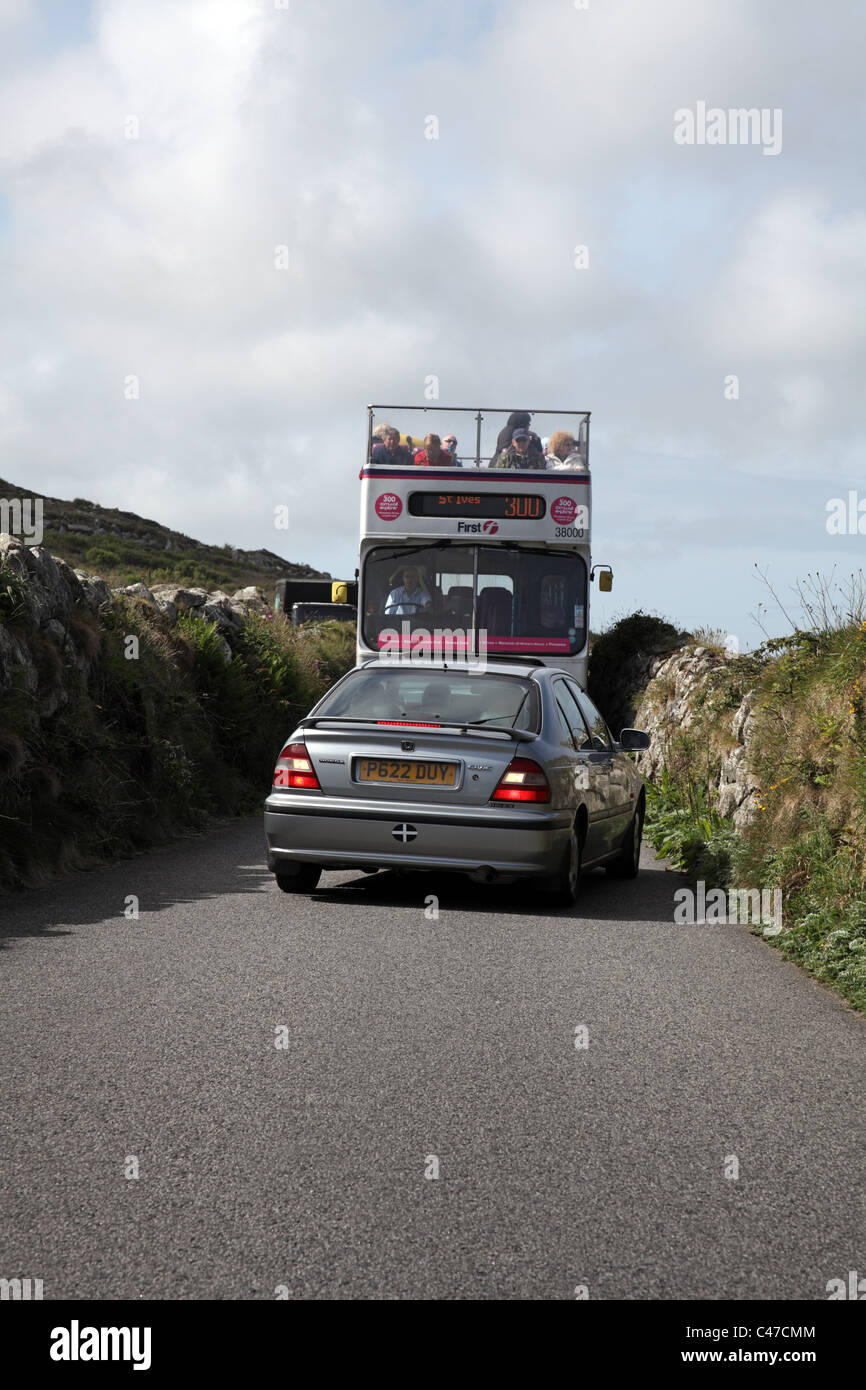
[[295, 770], [522, 780]]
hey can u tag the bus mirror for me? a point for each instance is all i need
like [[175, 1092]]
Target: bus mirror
[[339, 591], [605, 577]]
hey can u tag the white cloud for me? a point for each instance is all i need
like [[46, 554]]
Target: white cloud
[[261, 127], [795, 290]]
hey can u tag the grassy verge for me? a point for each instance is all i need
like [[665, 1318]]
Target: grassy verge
[[807, 833], [102, 755]]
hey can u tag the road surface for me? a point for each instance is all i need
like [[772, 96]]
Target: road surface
[[410, 1044]]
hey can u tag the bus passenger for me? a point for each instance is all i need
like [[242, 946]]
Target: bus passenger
[[562, 453], [379, 434], [391, 451], [410, 596], [517, 454], [517, 420], [450, 443], [433, 455]]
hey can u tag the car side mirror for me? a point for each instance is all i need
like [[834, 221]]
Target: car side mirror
[[633, 740]]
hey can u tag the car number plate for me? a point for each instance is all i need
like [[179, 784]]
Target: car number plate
[[397, 770]]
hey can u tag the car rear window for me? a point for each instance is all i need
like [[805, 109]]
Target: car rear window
[[436, 697]]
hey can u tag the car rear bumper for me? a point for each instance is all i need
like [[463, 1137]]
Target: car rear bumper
[[336, 833]]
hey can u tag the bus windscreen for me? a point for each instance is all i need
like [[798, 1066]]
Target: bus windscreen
[[525, 600]]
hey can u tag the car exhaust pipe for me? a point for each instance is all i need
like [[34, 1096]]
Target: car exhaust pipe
[[484, 875]]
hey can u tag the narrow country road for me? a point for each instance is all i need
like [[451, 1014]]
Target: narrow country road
[[408, 1043]]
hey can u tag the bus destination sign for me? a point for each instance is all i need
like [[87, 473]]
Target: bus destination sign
[[519, 506]]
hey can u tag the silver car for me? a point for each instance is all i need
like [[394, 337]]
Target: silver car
[[508, 772]]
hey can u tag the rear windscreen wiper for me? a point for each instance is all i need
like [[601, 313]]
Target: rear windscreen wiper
[[522, 735], [312, 721]]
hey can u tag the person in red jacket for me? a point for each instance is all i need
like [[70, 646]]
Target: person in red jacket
[[433, 455]]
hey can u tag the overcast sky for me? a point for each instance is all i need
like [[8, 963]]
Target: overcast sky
[[154, 155]]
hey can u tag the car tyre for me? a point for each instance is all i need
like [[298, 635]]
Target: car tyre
[[627, 863], [303, 880], [562, 888]]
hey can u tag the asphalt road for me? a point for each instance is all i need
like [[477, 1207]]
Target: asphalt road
[[409, 1039]]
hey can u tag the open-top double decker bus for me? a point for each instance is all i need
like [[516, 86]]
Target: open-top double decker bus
[[466, 560]]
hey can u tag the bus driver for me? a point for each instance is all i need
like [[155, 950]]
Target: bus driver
[[411, 596]]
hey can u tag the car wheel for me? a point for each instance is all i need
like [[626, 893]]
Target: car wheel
[[303, 880], [562, 888], [627, 862]]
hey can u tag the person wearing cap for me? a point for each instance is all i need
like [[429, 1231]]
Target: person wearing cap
[[517, 454], [518, 420]]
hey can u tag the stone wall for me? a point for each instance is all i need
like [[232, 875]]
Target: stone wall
[[54, 594], [670, 705]]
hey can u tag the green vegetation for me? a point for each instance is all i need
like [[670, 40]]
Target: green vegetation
[[121, 562], [137, 750], [807, 759], [142, 749], [619, 663], [684, 828], [13, 596]]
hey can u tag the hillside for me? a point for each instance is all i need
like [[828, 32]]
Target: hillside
[[124, 548]]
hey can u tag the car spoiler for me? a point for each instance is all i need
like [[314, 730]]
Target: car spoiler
[[521, 735]]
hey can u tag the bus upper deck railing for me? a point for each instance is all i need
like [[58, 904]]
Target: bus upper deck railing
[[579, 459]]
